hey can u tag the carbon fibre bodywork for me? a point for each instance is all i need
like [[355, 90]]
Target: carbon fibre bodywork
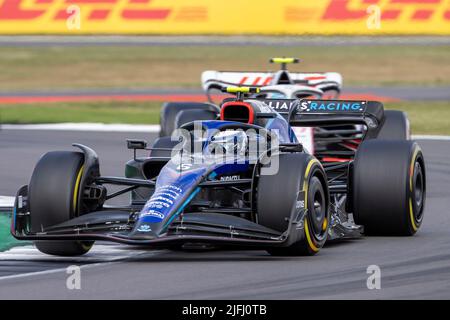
[[212, 202]]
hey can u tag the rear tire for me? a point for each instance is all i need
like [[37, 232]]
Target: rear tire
[[170, 110], [53, 199], [299, 182], [395, 126], [389, 187], [163, 143], [186, 116]]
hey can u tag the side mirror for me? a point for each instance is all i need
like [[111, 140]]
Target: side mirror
[[136, 144]]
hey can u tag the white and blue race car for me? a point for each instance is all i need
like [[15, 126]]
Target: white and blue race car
[[240, 180]]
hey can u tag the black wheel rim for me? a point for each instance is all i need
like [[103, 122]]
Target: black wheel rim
[[418, 191], [317, 209]]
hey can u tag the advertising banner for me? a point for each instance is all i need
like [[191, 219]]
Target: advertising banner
[[268, 17]]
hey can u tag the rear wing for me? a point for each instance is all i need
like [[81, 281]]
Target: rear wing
[[219, 79], [330, 112]]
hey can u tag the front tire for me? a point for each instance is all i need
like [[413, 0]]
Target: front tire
[[299, 182], [54, 198], [64, 248]]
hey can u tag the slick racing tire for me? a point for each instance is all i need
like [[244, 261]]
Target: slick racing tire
[[170, 110], [389, 187], [395, 126], [186, 116], [164, 143], [53, 199], [299, 183], [64, 248]]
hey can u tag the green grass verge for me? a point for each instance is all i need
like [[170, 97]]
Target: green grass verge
[[426, 117], [7, 241], [105, 112], [57, 68]]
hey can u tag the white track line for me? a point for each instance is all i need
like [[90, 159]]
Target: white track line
[[99, 255], [98, 127], [6, 202], [430, 137], [51, 271]]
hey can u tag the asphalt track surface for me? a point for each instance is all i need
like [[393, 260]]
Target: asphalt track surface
[[416, 267]]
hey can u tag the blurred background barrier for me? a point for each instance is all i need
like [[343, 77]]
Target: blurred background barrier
[[289, 17]]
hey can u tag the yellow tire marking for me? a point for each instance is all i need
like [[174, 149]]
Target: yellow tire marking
[[411, 215], [85, 246], [305, 181], [411, 169], [411, 173], [305, 190], [75, 191], [308, 237]]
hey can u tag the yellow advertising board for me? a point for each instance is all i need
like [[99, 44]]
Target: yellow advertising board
[[289, 17]]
